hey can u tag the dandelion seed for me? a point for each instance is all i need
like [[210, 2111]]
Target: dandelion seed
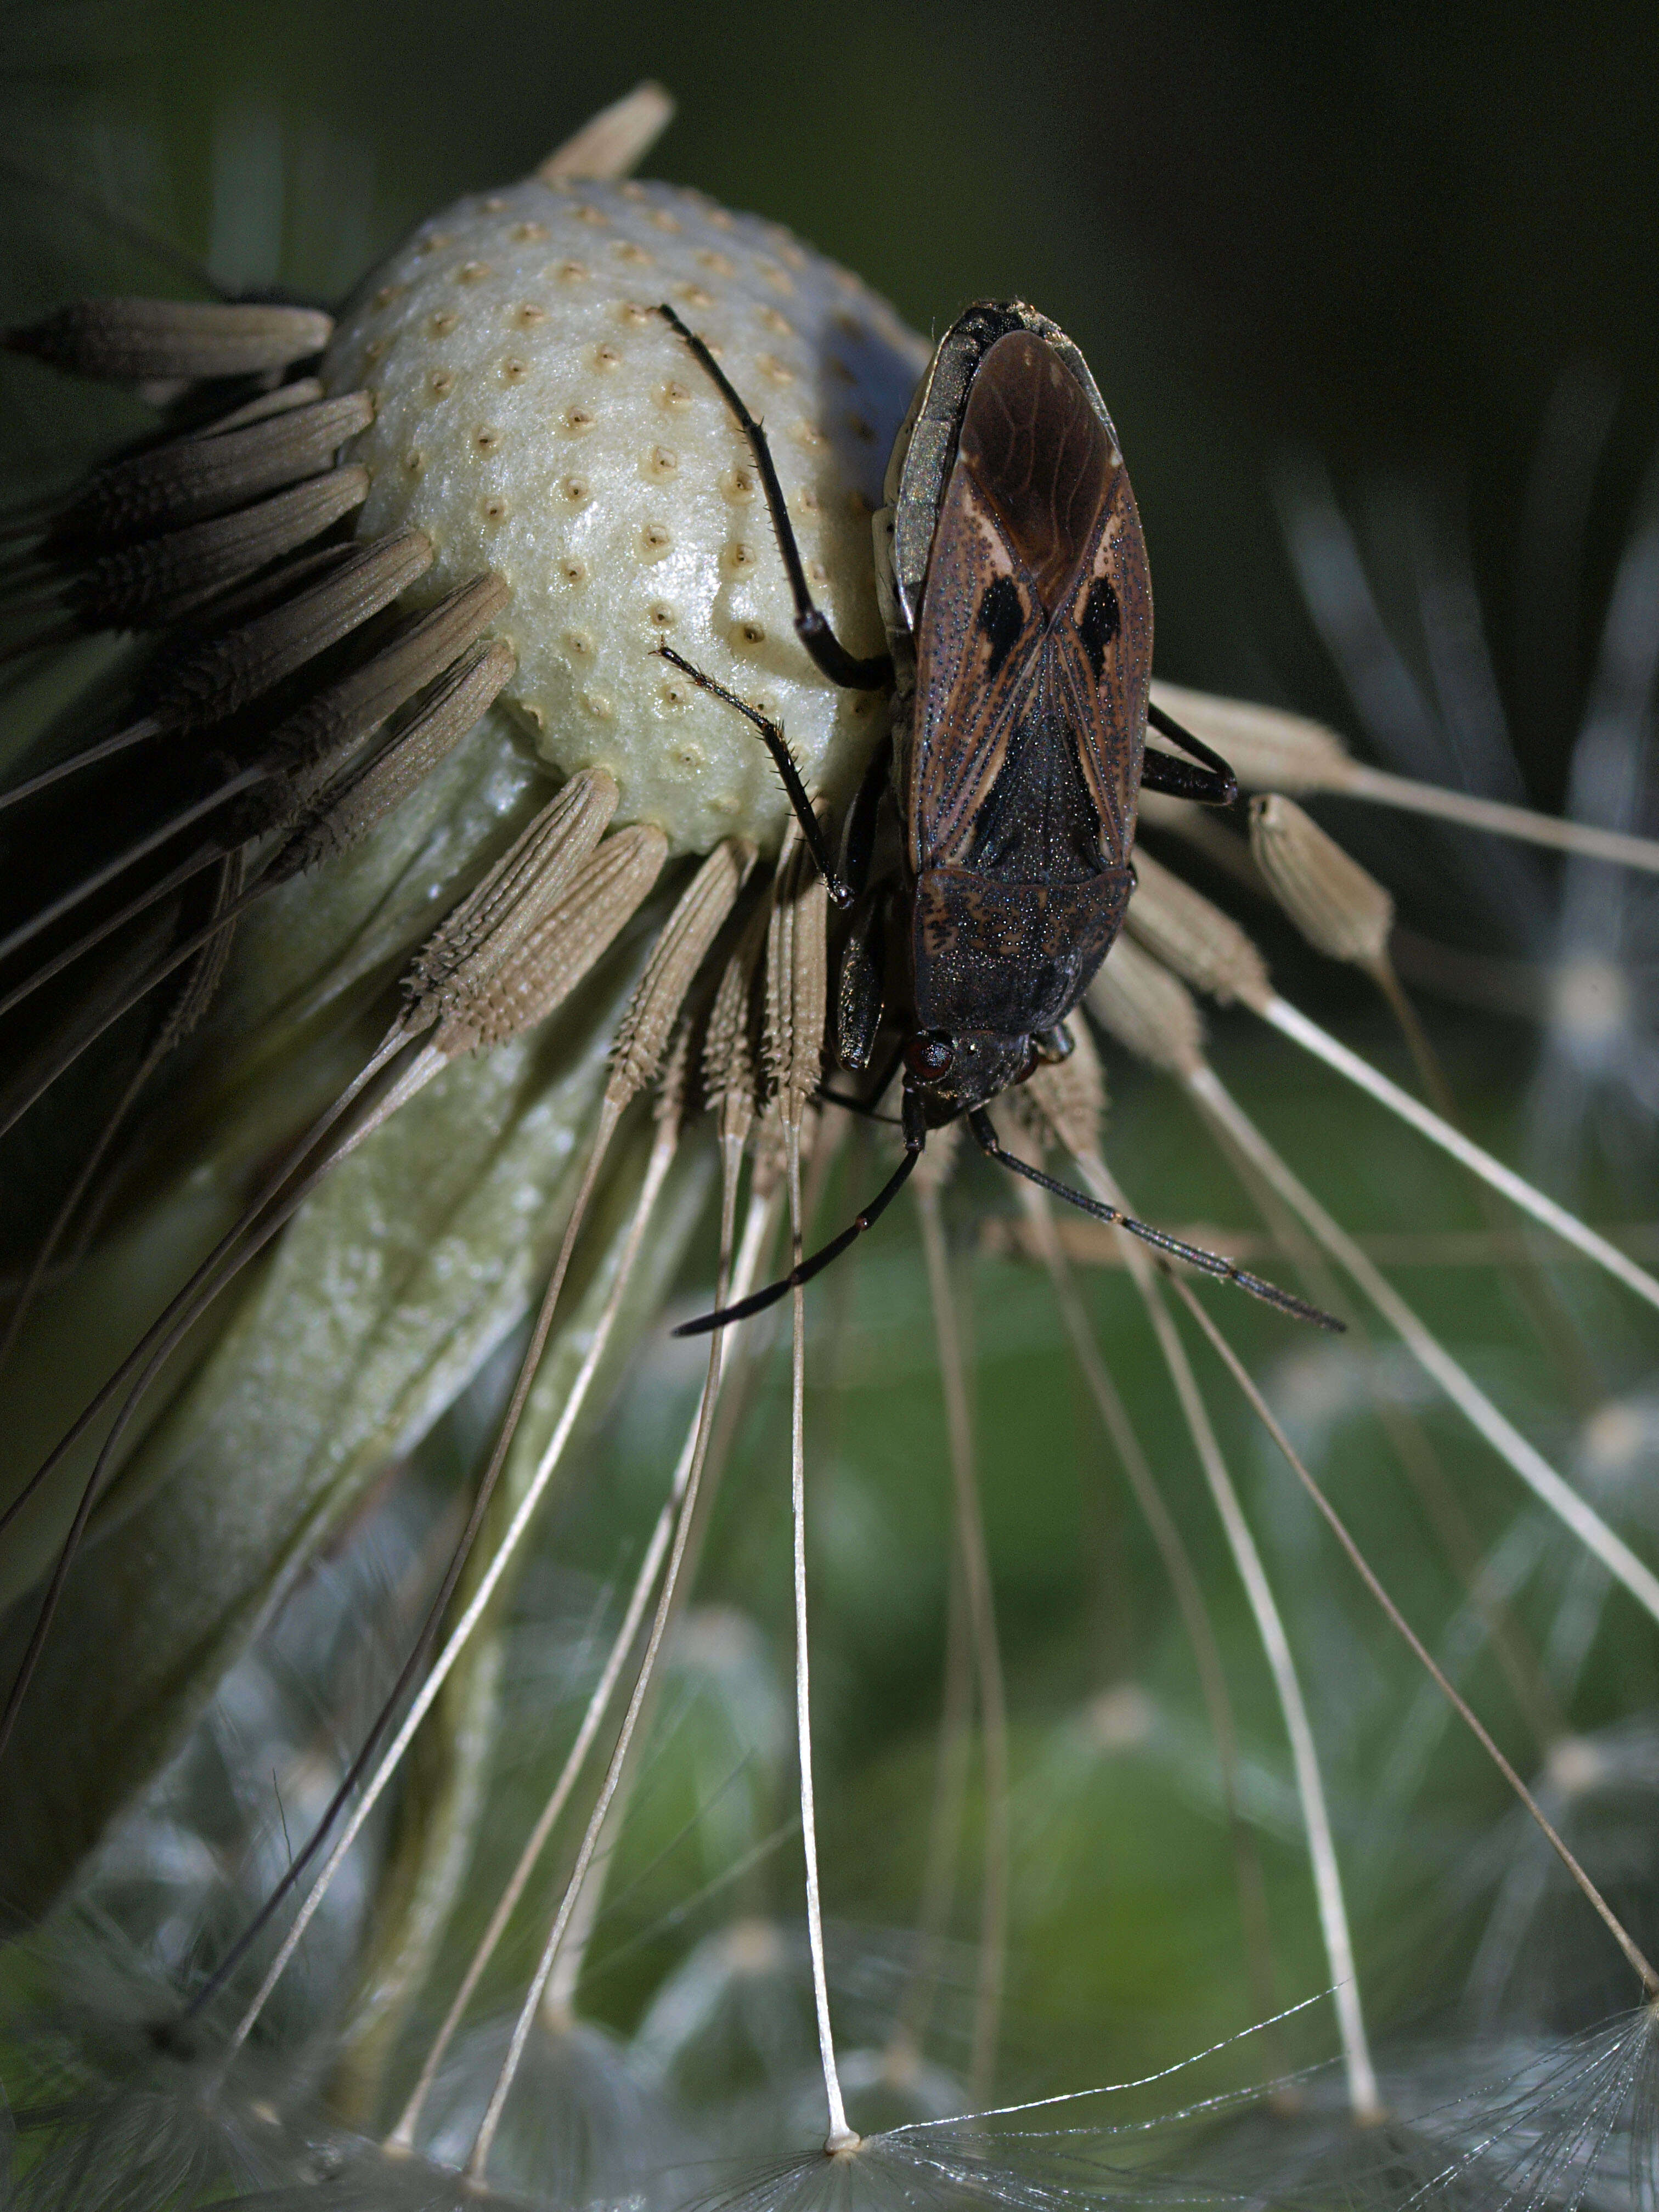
[[1277, 751]]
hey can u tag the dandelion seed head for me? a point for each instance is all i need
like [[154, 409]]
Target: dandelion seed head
[[499, 364], [585, 2125], [533, 416]]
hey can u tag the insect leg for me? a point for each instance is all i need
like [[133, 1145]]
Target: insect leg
[[873, 1097], [1167, 726], [849, 1105], [915, 1138], [864, 957], [858, 993], [811, 623], [985, 1137], [778, 745], [1181, 779], [857, 836]]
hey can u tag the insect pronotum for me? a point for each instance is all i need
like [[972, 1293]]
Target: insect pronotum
[[1014, 587]]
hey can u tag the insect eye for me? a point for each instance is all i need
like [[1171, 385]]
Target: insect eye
[[1033, 1061], [930, 1056]]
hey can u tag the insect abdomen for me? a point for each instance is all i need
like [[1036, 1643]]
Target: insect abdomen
[[1011, 958]]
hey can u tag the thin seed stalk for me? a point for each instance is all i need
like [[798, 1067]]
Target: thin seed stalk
[[969, 1525], [466, 1627], [1235, 1368], [1364, 2098], [1534, 1470]]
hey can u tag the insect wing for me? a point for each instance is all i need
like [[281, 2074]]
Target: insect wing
[[1036, 618], [982, 630], [1100, 655]]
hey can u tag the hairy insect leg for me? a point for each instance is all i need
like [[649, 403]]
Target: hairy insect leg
[[985, 1137], [916, 1138], [778, 745], [811, 623], [1224, 780]]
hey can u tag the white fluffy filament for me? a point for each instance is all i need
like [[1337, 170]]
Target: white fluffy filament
[[840, 2135], [478, 2162], [655, 1174], [1650, 1978], [1363, 2096], [1534, 1469], [756, 1237], [1308, 1034]]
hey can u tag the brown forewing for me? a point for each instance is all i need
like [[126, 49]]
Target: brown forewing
[[1038, 496]]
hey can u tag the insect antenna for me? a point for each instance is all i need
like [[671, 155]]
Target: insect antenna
[[862, 1107], [778, 745], [811, 623], [1212, 1262], [758, 1301]]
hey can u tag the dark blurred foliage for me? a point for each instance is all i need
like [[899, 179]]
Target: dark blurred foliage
[[1391, 235]]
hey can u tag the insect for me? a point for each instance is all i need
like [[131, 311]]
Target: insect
[[1016, 593]]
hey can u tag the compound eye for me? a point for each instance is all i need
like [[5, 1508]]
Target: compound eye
[[1033, 1061], [930, 1056]]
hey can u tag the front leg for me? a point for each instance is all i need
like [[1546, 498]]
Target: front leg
[[783, 760], [811, 623]]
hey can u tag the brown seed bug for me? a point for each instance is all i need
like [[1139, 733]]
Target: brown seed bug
[[1018, 608]]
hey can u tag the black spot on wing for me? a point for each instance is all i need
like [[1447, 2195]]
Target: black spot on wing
[[1001, 617], [1100, 622], [1036, 820]]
